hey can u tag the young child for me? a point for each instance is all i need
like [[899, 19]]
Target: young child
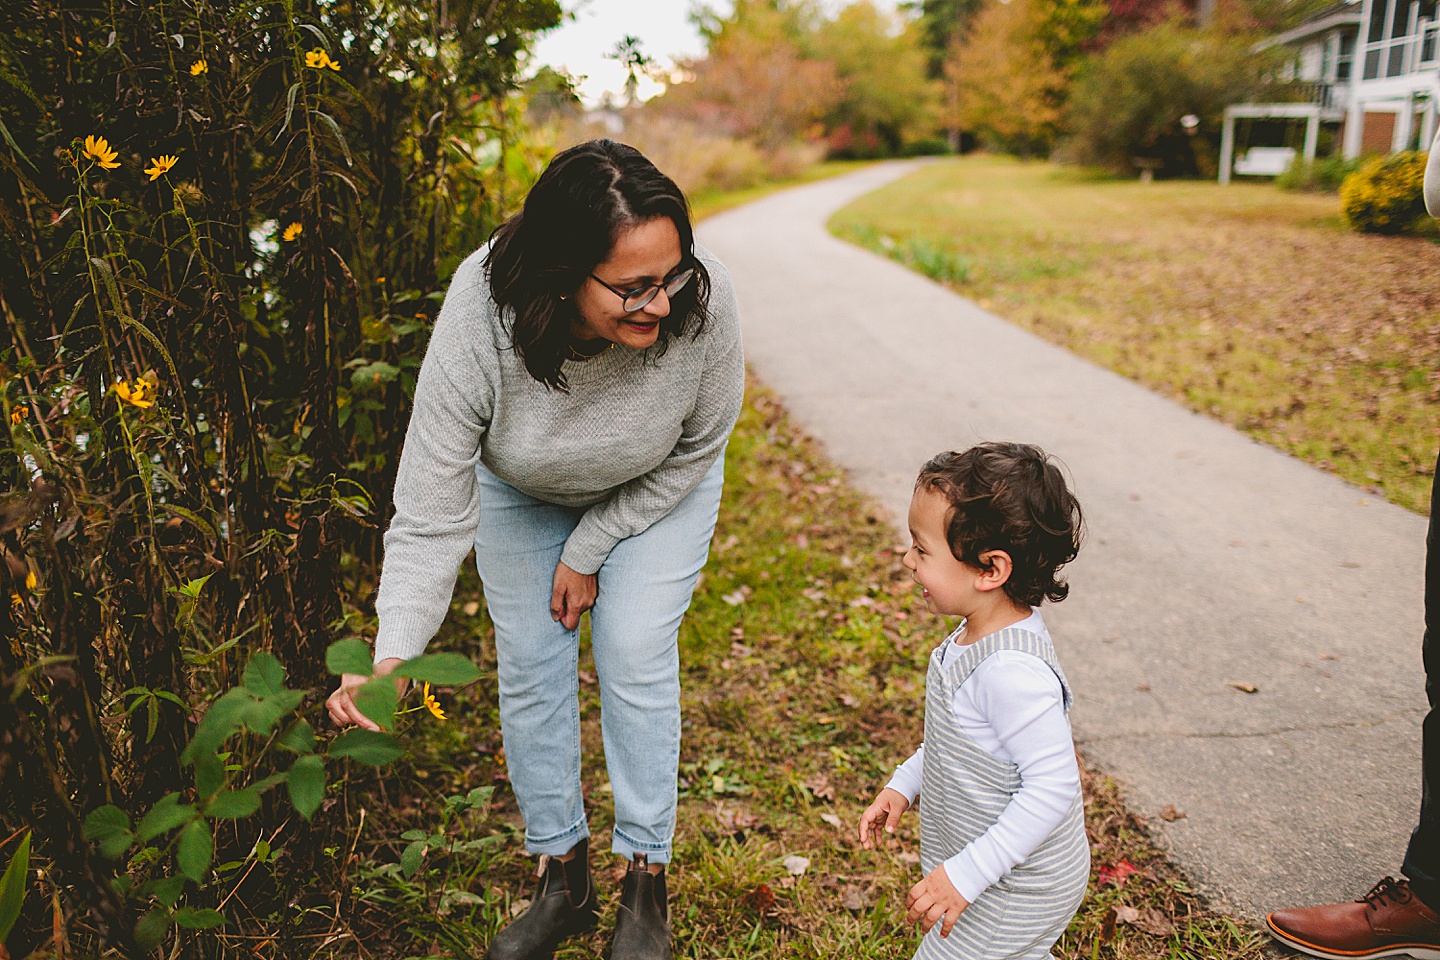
[[1002, 826]]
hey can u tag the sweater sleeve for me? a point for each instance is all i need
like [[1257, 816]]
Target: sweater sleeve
[[635, 505], [437, 507], [1022, 699]]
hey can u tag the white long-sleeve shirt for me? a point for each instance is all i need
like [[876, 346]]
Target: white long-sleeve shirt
[[1013, 708]]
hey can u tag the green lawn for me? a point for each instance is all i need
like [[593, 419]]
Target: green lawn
[[1254, 305]]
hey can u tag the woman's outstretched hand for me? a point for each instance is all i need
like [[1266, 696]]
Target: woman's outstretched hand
[[572, 595], [341, 703]]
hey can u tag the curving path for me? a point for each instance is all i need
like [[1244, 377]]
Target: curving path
[[1211, 559]]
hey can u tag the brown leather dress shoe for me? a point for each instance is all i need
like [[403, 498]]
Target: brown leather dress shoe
[[1389, 921]]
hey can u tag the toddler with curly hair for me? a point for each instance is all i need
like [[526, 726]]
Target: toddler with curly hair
[[1002, 826]]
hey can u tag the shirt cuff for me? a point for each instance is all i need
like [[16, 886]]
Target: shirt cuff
[[404, 634], [587, 548], [963, 877]]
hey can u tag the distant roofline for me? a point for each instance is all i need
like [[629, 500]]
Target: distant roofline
[[1344, 13]]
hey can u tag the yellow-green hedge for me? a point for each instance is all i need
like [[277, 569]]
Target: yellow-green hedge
[[1386, 195]]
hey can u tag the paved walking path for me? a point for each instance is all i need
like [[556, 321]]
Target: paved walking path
[[1211, 559]]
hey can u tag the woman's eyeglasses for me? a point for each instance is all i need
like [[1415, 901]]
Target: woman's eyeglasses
[[640, 297]]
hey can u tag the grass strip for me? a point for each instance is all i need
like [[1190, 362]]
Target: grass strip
[[1247, 303], [803, 663]]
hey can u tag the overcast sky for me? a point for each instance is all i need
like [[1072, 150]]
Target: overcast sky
[[578, 46]]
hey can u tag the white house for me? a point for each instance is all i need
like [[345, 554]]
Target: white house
[[1369, 67]]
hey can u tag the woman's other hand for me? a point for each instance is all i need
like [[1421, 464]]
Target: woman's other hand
[[341, 703], [573, 594]]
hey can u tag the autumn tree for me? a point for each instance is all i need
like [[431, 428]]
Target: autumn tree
[[886, 98], [755, 81]]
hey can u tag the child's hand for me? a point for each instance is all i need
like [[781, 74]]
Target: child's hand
[[933, 899], [884, 811]]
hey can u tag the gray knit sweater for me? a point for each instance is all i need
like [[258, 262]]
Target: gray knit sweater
[[635, 433]]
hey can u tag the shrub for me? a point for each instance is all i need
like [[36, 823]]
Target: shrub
[[1386, 195], [1128, 101], [1321, 176]]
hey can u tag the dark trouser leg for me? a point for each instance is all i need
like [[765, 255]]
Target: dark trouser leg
[[1422, 859]]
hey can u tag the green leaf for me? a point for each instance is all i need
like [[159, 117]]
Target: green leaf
[[209, 774], [412, 858], [264, 674], [307, 785], [300, 737], [334, 127], [151, 928], [351, 655], [165, 889], [104, 822], [195, 850], [449, 669], [12, 887], [221, 721], [366, 746], [377, 699], [233, 804], [198, 918], [167, 814]]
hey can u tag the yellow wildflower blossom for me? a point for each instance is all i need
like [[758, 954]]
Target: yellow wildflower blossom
[[138, 394], [199, 67], [292, 231], [31, 581], [432, 704], [319, 59], [159, 166], [98, 149], [18, 415]]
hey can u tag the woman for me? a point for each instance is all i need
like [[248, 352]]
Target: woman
[[570, 421]]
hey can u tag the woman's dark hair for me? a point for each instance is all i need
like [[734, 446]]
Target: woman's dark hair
[[586, 197], [1011, 497]]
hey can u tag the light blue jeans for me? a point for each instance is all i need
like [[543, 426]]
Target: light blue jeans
[[644, 590]]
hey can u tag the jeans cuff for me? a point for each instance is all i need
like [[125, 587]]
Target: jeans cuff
[[627, 848], [559, 843]]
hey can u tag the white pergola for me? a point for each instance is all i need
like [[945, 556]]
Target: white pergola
[[1311, 113]]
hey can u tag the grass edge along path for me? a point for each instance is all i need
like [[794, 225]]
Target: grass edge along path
[[1246, 303], [803, 661]]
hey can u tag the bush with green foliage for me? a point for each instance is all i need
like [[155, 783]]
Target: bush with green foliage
[[1320, 176], [227, 226], [1386, 194], [1128, 101]]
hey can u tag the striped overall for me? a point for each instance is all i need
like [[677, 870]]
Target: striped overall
[[963, 791]]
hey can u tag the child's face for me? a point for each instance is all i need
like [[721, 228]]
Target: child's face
[[950, 587]]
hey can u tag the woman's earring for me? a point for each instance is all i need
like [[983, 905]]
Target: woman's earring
[[564, 297]]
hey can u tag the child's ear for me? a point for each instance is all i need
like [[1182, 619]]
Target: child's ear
[[996, 570]]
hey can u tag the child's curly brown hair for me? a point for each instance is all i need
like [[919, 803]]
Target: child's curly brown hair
[[1010, 497]]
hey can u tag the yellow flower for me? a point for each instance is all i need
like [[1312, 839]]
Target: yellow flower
[[319, 59], [98, 149], [432, 704], [160, 166], [199, 67], [30, 581], [138, 394], [19, 414], [292, 231]]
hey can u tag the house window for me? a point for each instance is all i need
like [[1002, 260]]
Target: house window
[[1346, 57]]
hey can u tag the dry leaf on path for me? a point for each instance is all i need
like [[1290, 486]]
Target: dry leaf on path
[[1242, 687], [1126, 914], [795, 864], [853, 899], [1170, 813], [831, 819]]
